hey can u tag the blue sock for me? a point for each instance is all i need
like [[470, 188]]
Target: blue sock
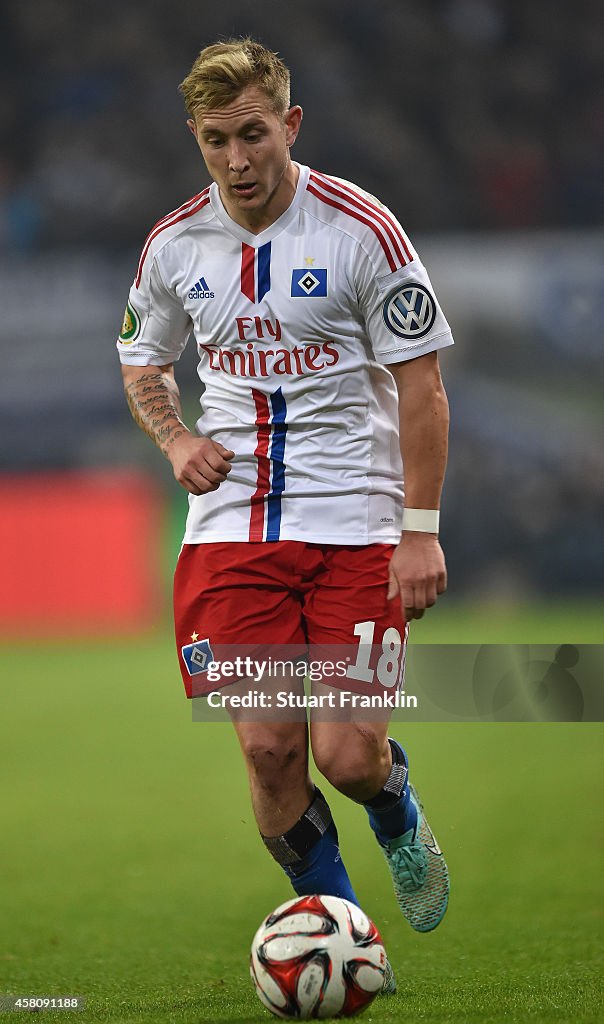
[[322, 870], [391, 813], [310, 855]]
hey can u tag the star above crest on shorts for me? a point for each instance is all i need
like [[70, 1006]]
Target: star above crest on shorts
[[194, 637], [309, 261]]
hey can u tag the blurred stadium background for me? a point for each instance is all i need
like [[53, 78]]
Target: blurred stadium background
[[481, 123]]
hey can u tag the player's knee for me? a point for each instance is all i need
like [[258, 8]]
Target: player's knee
[[275, 761], [349, 775], [355, 767]]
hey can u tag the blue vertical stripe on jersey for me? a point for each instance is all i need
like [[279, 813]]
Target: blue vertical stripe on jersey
[[264, 270], [277, 454]]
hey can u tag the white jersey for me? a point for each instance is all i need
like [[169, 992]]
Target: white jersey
[[294, 327]]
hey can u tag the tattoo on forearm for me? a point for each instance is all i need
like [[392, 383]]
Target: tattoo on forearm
[[155, 407]]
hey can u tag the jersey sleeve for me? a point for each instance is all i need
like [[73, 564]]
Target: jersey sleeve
[[156, 326], [402, 315]]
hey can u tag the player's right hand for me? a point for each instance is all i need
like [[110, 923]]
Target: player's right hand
[[200, 465]]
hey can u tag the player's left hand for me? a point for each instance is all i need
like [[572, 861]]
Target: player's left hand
[[417, 572]]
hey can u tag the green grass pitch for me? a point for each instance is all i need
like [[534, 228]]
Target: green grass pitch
[[131, 871]]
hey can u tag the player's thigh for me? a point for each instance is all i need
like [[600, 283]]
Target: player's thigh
[[234, 600], [351, 624], [357, 636]]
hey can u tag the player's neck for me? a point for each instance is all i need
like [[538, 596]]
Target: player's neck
[[257, 220]]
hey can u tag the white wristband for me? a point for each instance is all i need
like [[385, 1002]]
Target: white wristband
[[421, 520]]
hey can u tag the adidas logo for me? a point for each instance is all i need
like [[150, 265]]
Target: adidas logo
[[201, 290]]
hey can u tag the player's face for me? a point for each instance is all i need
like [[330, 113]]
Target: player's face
[[246, 150]]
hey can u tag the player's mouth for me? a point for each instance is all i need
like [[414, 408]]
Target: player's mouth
[[245, 188]]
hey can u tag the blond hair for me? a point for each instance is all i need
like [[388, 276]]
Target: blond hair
[[223, 70]]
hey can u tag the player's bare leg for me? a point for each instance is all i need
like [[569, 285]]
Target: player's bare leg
[[363, 763], [354, 756], [276, 757], [293, 816]]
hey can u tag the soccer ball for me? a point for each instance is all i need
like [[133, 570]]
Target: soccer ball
[[317, 956]]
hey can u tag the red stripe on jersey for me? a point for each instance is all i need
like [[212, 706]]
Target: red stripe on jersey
[[180, 208], [264, 466], [364, 220], [392, 228], [189, 208], [163, 220], [247, 271]]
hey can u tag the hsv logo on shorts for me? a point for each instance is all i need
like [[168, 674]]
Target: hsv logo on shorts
[[309, 282], [197, 656], [409, 311]]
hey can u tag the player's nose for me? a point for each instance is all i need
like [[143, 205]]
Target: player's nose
[[238, 160]]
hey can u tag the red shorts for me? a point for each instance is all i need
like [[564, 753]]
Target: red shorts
[[284, 598]]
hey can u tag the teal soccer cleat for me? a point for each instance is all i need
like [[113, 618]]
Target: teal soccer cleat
[[389, 984], [419, 873]]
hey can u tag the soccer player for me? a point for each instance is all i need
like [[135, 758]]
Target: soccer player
[[318, 334]]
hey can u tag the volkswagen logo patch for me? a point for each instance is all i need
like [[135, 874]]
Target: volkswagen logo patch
[[409, 311]]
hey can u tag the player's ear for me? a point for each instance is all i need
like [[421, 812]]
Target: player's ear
[[192, 127], [293, 120]]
